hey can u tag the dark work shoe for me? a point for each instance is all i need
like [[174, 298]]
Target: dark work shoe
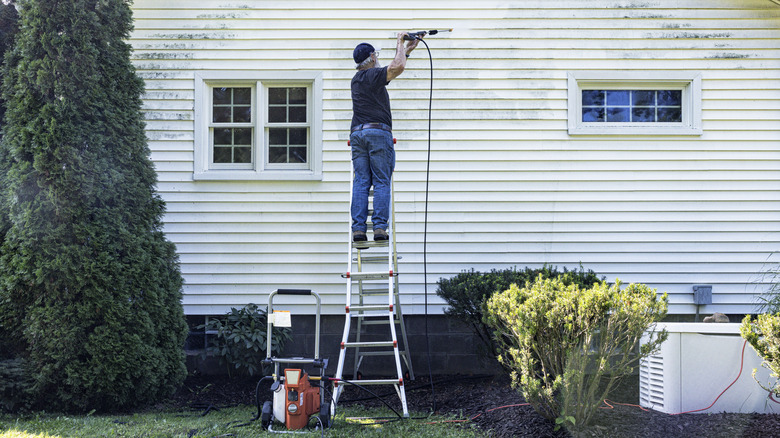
[[359, 236], [380, 234]]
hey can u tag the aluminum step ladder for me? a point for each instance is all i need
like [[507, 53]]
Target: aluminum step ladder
[[372, 299]]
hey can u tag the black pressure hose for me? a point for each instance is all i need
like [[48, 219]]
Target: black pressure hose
[[425, 230], [257, 399]]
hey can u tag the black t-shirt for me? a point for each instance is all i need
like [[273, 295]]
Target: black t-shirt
[[370, 101]]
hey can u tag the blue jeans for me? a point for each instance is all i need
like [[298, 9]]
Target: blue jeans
[[373, 158]]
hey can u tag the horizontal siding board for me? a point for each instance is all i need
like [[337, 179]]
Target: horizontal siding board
[[509, 186]]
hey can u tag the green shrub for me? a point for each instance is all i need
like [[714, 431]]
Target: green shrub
[[467, 293], [240, 339], [763, 334], [769, 299], [568, 346], [91, 288], [15, 386]]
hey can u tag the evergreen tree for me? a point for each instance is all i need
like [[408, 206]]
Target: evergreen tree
[[9, 25], [90, 287], [9, 19]]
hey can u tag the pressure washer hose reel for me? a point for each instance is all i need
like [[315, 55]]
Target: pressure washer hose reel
[[296, 395]]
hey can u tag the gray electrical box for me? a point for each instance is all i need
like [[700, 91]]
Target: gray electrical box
[[702, 294]]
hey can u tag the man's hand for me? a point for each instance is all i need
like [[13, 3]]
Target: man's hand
[[410, 45], [398, 63]]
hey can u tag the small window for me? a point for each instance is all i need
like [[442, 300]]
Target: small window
[[626, 106], [615, 103], [261, 125]]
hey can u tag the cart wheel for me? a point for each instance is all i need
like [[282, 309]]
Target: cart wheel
[[267, 414], [325, 416]]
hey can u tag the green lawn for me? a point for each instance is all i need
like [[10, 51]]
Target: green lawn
[[220, 424]]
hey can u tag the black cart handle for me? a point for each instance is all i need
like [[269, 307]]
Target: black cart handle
[[293, 291]]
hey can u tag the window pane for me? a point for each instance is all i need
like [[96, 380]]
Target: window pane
[[638, 106], [617, 97], [242, 136], [592, 97], [287, 105], [222, 155], [669, 97], [221, 96], [277, 96], [643, 115], [298, 96], [222, 114], [277, 154], [242, 96], [297, 155], [593, 114], [298, 114], [223, 136], [298, 136], [617, 114], [669, 115], [242, 155], [643, 98], [242, 114], [277, 114], [277, 136]]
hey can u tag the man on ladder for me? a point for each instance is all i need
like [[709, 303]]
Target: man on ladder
[[373, 155], [373, 159]]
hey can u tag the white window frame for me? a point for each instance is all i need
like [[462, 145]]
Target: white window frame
[[688, 82], [203, 166]]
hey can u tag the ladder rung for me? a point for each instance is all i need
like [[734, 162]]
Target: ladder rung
[[372, 259], [379, 382], [370, 244], [365, 307], [358, 276], [377, 353], [374, 292], [378, 322], [370, 344]]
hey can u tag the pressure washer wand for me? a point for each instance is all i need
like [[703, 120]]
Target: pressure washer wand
[[418, 35]]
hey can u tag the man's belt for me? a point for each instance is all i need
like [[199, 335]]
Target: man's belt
[[381, 126]]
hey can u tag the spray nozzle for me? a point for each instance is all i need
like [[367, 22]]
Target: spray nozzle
[[418, 35]]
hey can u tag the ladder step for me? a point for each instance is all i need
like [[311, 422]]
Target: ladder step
[[372, 259], [378, 382], [377, 353], [366, 308], [375, 258], [358, 276], [370, 244], [372, 292], [370, 344], [378, 322]]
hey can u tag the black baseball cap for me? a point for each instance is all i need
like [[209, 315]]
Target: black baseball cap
[[362, 51]]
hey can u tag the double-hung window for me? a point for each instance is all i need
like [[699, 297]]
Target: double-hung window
[[258, 125], [634, 103]]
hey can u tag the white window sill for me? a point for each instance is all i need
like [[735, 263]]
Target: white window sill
[[634, 129], [250, 175]]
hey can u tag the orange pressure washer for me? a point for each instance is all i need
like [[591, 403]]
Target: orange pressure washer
[[297, 396]]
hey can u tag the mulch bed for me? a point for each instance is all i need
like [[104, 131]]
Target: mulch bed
[[483, 400]]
